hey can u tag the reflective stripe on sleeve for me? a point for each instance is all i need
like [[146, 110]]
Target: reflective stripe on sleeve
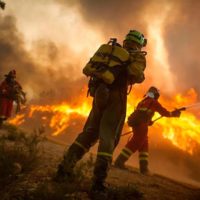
[[145, 109]]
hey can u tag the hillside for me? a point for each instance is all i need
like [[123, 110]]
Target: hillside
[[123, 184]]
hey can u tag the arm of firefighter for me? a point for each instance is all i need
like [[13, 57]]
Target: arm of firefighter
[[18, 85], [177, 112], [161, 110], [136, 67], [21, 94]]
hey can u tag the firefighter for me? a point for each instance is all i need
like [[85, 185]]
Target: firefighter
[[10, 90], [139, 120], [108, 86]]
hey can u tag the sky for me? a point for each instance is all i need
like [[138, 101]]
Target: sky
[[49, 42]]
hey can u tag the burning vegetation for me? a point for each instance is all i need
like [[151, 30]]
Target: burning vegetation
[[182, 132], [53, 61]]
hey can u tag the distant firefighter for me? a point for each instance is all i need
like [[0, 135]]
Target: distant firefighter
[[139, 120], [10, 91], [2, 5]]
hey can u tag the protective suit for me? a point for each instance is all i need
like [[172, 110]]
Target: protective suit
[[9, 90], [139, 120], [108, 86]]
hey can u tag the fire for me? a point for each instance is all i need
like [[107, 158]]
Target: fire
[[19, 119], [183, 132], [60, 114]]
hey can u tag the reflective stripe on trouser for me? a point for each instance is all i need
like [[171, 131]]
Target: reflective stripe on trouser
[[72, 156], [143, 161], [102, 165], [126, 152], [81, 146], [103, 124], [143, 156]]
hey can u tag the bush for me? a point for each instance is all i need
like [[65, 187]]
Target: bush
[[19, 151], [127, 192], [83, 169]]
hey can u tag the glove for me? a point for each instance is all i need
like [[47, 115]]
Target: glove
[[176, 113], [151, 123]]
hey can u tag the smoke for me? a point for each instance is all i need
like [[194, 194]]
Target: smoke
[[114, 18], [182, 42], [76, 29], [180, 31], [42, 70]]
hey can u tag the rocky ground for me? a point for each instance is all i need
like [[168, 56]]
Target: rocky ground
[[123, 184]]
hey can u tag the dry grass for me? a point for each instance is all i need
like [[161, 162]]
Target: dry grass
[[19, 152]]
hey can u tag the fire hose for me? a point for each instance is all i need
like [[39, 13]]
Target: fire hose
[[179, 109]]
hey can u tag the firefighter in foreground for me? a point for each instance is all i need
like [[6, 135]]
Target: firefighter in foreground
[[139, 120], [10, 91], [111, 70]]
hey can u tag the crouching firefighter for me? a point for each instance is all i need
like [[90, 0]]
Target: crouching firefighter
[[111, 70], [10, 91], [139, 120]]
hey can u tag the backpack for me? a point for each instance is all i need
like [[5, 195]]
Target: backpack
[[106, 57]]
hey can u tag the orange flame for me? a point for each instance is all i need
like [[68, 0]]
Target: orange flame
[[19, 119], [183, 132], [60, 114]]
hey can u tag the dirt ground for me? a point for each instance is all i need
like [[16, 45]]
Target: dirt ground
[[155, 187]]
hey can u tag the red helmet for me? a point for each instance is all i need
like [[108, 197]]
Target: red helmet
[[11, 73]]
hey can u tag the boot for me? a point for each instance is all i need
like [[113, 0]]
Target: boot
[[98, 189], [65, 168], [120, 161], [144, 167], [62, 175]]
